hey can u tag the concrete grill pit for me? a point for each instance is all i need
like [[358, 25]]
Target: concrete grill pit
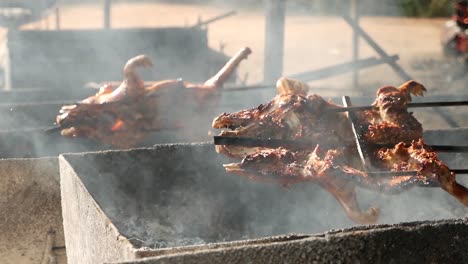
[[31, 209], [177, 199], [400, 243], [30, 193]]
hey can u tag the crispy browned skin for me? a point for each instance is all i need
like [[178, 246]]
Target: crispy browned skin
[[391, 122], [122, 117], [421, 158], [290, 115]]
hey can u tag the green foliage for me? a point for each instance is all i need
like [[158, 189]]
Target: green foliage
[[427, 8]]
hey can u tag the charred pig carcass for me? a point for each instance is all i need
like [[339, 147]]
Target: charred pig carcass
[[124, 116], [392, 135]]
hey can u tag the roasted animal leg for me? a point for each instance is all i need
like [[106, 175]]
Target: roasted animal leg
[[225, 73], [200, 91]]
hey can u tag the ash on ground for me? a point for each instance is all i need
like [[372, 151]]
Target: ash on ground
[[172, 217], [141, 232]]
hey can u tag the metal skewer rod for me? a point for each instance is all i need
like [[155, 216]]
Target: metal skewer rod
[[447, 148], [460, 171], [392, 173], [438, 148], [357, 131], [264, 142], [411, 105], [53, 129], [214, 19], [408, 173], [305, 144], [437, 104]]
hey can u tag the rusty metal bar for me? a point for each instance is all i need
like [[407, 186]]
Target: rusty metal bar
[[342, 68], [395, 66], [410, 105], [214, 19], [321, 73]]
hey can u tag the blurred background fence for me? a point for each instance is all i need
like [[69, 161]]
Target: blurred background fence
[[411, 8]]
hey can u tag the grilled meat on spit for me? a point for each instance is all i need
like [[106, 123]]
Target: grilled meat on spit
[[124, 116], [334, 165], [339, 172], [290, 115], [328, 169], [390, 122], [294, 115], [419, 157]]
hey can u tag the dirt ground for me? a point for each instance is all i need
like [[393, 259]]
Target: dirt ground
[[312, 42]]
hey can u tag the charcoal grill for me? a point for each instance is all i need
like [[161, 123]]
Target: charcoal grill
[[30, 206], [402, 243], [250, 212], [22, 124], [175, 201]]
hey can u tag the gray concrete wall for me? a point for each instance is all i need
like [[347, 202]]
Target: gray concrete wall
[[30, 206], [184, 186], [418, 242], [90, 236]]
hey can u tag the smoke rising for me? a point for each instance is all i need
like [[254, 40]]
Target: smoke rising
[[177, 195], [172, 198]]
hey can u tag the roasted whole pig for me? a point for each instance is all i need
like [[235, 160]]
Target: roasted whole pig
[[334, 164], [123, 116], [290, 115]]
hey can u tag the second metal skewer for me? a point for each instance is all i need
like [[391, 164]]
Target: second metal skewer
[[410, 105]]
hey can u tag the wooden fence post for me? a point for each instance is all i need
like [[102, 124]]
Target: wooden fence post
[[107, 14], [274, 39], [355, 15]]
